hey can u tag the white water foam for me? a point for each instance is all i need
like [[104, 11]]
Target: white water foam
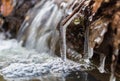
[[16, 62]]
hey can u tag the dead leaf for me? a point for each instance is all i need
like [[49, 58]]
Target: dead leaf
[[6, 7], [96, 5]]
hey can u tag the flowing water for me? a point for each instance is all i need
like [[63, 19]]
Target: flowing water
[[36, 61], [20, 63], [44, 21], [39, 35]]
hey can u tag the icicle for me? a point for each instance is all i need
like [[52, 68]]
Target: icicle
[[63, 48], [67, 22], [86, 41], [113, 65], [63, 36], [112, 77], [90, 52], [102, 63]]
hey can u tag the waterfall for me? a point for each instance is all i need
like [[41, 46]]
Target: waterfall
[[39, 30], [44, 25]]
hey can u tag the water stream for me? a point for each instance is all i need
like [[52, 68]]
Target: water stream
[[17, 62], [31, 57], [38, 34]]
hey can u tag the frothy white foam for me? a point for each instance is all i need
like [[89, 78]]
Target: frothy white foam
[[16, 62]]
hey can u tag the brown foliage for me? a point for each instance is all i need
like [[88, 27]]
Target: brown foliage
[[6, 7], [96, 5], [116, 29]]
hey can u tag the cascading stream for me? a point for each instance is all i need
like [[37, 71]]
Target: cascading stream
[[44, 22], [38, 32], [40, 35]]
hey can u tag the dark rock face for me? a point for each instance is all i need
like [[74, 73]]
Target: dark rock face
[[75, 37]]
